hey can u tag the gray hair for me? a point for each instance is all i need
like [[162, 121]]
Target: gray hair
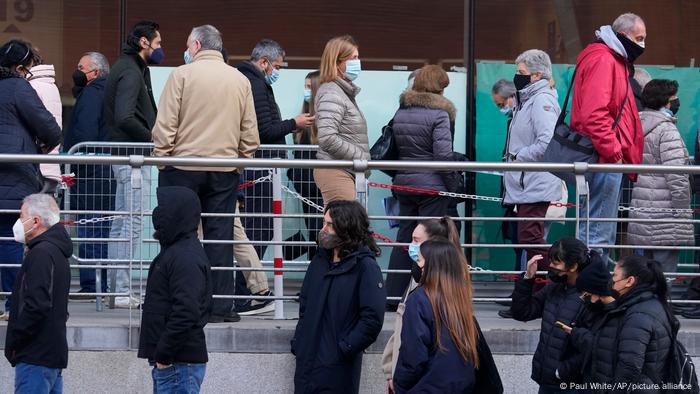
[[536, 61], [99, 61], [44, 206], [268, 49], [208, 36], [642, 76], [504, 88], [625, 23]]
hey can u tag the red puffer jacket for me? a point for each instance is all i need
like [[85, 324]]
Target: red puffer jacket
[[599, 90]]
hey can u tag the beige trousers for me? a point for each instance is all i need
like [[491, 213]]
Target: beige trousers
[[335, 184]]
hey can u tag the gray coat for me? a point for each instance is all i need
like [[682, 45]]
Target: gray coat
[[663, 145], [342, 128], [423, 132], [534, 118]]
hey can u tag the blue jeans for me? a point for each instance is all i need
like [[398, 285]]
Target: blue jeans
[[604, 192], [125, 227], [35, 379], [10, 253], [178, 379]]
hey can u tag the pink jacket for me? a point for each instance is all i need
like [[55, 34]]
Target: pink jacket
[[43, 81]]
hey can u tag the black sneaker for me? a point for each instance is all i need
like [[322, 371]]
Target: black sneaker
[[231, 317], [257, 307], [506, 314]]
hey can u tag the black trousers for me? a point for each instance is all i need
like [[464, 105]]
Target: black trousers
[[412, 205], [303, 181], [258, 199], [217, 194]]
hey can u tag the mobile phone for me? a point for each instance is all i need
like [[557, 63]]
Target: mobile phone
[[559, 324]]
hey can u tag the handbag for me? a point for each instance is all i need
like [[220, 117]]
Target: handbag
[[488, 380], [385, 147], [569, 146]]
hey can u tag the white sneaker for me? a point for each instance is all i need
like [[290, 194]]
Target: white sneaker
[[126, 302], [5, 316]]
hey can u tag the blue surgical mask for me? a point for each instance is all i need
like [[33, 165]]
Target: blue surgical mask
[[188, 57], [352, 69], [506, 111], [667, 112], [272, 78], [413, 250], [307, 95]]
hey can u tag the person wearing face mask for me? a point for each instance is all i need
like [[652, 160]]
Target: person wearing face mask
[[534, 118], [632, 342], [425, 230], [129, 115], [341, 304], [342, 128], [35, 342], [303, 178], [28, 128], [663, 145], [263, 70], [442, 348], [188, 125], [555, 363], [600, 92], [87, 124]]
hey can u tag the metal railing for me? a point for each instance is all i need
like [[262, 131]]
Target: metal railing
[[358, 167]]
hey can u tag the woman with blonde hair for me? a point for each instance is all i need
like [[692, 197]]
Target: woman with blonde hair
[[342, 128]]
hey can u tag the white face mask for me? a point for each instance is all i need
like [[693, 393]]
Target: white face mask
[[641, 44], [18, 231]]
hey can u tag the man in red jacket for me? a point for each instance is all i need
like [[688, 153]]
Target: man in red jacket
[[601, 91]]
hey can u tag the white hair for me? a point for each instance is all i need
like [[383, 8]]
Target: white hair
[[43, 206], [208, 36], [504, 88], [536, 61], [267, 49], [625, 23], [642, 76], [99, 61]]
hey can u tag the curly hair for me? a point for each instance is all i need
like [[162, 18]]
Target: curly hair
[[351, 225], [657, 92]]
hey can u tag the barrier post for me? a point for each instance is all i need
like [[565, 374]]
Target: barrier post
[[360, 166], [582, 192], [277, 237]]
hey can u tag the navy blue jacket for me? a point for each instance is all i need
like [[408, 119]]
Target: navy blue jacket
[[87, 122], [25, 126], [421, 368], [341, 312]]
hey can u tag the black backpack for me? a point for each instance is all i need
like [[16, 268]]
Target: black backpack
[[681, 375]]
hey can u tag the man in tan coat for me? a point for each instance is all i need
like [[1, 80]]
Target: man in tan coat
[[206, 110]]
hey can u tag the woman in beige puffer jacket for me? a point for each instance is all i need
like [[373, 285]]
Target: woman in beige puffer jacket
[[663, 145], [342, 128]]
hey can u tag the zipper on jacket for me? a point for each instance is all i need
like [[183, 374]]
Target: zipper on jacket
[[522, 180]]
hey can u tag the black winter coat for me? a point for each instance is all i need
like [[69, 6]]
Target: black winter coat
[[630, 344], [421, 367], [36, 332], [179, 291], [129, 107], [341, 313], [25, 125], [423, 130], [554, 302], [271, 127]]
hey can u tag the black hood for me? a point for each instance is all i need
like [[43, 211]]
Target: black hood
[[177, 214], [57, 235]]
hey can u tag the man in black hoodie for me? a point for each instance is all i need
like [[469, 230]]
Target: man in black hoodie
[[36, 334], [263, 71], [129, 116], [178, 296]]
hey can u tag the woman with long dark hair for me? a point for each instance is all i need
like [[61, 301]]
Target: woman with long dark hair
[[632, 342], [439, 337], [341, 305]]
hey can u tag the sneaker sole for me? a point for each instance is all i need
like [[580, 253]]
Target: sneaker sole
[[266, 309]]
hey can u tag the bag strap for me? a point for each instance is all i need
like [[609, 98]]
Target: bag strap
[[624, 102], [563, 112]]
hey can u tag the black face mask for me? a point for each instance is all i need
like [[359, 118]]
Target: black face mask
[[416, 272], [79, 78], [614, 293], [633, 50], [593, 306], [553, 275], [156, 235], [675, 105], [521, 81]]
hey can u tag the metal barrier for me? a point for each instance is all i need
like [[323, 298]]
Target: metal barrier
[[279, 215]]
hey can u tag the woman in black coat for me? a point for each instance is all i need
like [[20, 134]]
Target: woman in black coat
[[341, 305], [26, 127], [631, 343], [555, 361]]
